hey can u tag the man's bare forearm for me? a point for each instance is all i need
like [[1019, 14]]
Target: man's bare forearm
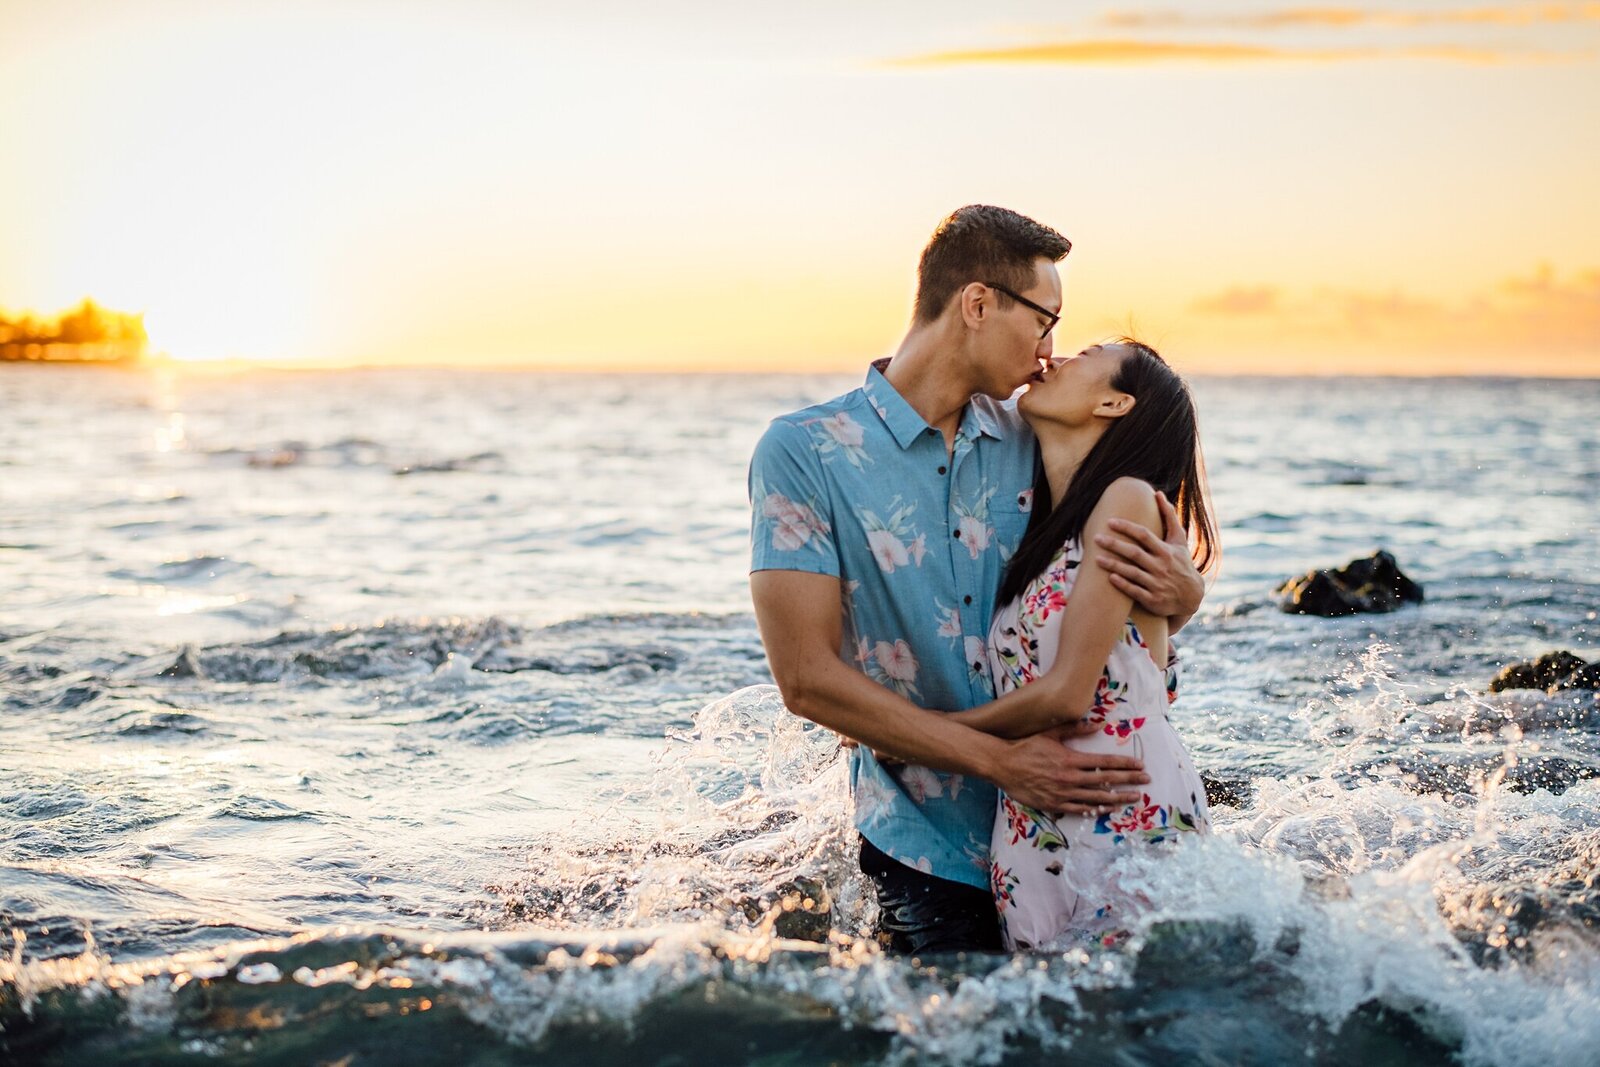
[[1029, 709], [846, 701]]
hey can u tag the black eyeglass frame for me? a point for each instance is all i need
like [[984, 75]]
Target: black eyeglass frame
[[1053, 316]]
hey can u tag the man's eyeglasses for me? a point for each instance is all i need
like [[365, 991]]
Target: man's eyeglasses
[[1025, 302]]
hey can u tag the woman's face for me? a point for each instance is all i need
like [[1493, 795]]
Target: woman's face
[[1071, 391]]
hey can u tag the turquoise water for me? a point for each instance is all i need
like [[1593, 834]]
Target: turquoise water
[[330, 694]]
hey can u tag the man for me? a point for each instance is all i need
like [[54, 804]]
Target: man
[[882, 523]]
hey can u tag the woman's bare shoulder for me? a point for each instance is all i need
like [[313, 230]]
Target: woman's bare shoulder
[[1128, 498]]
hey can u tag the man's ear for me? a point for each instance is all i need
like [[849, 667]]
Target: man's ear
[[975, 304], [1115, 406]]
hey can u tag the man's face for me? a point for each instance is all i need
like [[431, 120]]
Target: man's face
[[1016, 344]]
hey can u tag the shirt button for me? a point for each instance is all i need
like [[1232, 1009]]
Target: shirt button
[[966, 599], [955, 533], [931, 431], [941, 470]]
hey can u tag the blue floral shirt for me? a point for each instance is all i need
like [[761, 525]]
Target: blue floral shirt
[[861, 488]]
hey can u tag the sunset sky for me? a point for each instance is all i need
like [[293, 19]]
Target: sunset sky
[[1395, 187]]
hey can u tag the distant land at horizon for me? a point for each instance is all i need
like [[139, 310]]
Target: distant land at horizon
[[87, 333]]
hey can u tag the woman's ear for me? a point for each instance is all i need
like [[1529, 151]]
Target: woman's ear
[[1115, 406]]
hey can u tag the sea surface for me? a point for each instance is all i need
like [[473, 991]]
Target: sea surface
[[413, 716]]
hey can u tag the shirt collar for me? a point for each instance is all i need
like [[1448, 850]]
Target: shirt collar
[[906, 425], [979, 419], [900, 417]]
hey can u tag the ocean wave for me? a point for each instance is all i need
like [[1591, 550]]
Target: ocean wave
[[1266, 986], [615, 998], [447, 648], [196, 570]]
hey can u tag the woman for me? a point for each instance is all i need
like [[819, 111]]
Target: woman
[[1115, 426]]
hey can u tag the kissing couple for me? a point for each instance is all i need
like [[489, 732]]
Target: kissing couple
[[972, 593]]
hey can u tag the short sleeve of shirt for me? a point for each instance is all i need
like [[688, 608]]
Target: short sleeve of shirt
[[791, 523]]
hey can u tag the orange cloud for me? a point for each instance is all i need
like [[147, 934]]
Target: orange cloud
[[1119, 52], [1240, 300], [1540, 308], [1542, 287], [1340, 17]]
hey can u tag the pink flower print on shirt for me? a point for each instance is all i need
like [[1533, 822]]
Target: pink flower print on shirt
[[891, 664], [894, 541], [972, 524], [949, 622], [845, 430], [873, 799], [897, 660], [920, 782], [888, 550], [974, 533], [793, 525], [839, 434]]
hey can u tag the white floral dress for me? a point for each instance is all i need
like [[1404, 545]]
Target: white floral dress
[[1054, 880]]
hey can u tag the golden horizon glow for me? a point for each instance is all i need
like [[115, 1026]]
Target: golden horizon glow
[[1405, 188]]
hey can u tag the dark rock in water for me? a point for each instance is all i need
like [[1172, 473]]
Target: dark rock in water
[[1585, 677], [1551, 672], [1365, 586], [1550, 773], [801, 910], [1229, 792], [187, 665]]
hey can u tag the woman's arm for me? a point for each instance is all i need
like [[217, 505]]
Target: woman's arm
[[1157, 571], [1095, 615]]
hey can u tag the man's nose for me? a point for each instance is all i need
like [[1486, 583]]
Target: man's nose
[[1047, 345]]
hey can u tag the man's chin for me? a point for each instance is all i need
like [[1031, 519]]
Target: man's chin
[[1002, 392]]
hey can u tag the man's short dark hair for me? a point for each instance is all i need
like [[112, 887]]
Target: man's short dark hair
[[980, 243]]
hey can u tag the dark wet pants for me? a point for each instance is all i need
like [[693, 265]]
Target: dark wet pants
[[919, 913]]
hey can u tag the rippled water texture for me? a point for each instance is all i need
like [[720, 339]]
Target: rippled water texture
[[415, 716]]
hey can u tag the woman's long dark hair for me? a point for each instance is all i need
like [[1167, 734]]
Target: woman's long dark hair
[[1157, 440]]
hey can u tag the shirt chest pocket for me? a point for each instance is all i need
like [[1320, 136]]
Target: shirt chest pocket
[[1010, 519]]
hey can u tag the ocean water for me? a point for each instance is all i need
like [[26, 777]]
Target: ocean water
[[415, 716]]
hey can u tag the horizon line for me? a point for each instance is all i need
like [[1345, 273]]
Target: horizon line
[[242, 366]]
